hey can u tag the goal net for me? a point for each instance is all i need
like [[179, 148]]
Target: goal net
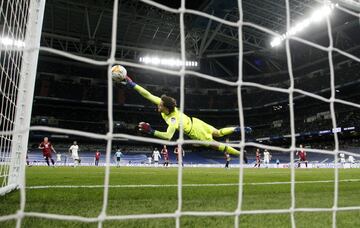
[[17, 83], [20, 26]]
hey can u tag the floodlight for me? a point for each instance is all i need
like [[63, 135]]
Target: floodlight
[[168, 62], [317, 16]]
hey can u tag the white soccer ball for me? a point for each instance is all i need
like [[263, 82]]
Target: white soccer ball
[[118, 73]]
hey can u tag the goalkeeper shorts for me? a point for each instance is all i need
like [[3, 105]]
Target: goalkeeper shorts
[[201, 130]]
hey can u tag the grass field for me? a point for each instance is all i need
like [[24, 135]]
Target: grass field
[[131, 198]]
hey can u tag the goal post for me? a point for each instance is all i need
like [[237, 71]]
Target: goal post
[[20, 54]]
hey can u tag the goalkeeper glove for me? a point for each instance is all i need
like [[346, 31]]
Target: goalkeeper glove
[[146, 128], [247, 129], [128, 82]]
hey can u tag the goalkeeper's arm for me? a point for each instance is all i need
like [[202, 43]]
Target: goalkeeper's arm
[[168, 134], [143, 92]]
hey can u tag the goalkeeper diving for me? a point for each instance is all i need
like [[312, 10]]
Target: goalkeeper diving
[[194, 128]]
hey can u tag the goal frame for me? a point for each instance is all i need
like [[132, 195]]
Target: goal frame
[[25, 95]]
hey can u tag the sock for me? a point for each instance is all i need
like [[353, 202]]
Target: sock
[[228, 149], [226, 131], [47, 161], [52, 161]]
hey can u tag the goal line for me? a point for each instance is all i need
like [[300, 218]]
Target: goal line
[[187, 185]]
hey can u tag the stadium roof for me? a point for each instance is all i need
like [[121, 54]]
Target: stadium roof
[[84, 27]]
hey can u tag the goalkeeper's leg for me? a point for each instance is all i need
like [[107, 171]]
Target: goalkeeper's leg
[[224, 148], [223, 131], [228, 149], [229, 130]]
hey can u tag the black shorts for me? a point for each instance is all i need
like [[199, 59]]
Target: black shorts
[[118, 159]]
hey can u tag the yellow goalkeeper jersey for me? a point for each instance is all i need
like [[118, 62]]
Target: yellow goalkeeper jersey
[[173, 122], [193, 127]]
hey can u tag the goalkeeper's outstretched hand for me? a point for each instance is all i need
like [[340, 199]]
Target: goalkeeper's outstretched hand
[[128, 82], [146, 128], [248, 130]]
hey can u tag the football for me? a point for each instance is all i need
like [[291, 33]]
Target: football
[[118, 73]]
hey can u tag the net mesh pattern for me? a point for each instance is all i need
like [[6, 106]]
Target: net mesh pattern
[[9, 79]]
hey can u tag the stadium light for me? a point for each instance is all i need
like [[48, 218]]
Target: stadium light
[[317, 16], [6, 41], [168, 62]]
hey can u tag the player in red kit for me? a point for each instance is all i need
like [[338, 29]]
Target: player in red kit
[[179, 151], [165, 154], [258, 158], [47, 148], [302, 156], [97, 157]]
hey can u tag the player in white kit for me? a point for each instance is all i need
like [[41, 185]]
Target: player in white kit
[[342, 159], [58, 159], [74, 150], [156, 156], [351, 160], [267, 158]]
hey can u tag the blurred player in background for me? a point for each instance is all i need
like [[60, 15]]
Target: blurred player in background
[[342, 159], [227, 159], [97, 157], [118, 155], [302, 156], [351, 160], [47, 148], [193, 127], [27, 158], [277, 163], [258, 158], [165, 155], [156, 156], [58, 159], [179, 151], [267, 158], [65, 159], [74, 151]]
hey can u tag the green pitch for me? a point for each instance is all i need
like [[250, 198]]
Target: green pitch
[[136, 199]]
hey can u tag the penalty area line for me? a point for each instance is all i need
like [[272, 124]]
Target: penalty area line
[[187, 185]]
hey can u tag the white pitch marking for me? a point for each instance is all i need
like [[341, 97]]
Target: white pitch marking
[[186, 185]]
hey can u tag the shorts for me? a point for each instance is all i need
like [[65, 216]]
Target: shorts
[[201, 130], [47, 156], [76, 157], [302, 159], [118, 159]]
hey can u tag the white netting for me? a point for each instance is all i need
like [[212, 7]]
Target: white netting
[[181, 73], [13, 20]]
